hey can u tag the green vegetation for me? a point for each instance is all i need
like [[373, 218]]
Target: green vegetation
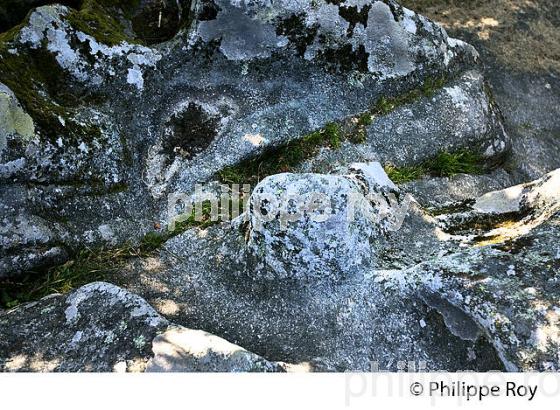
[[286, 157], [283, 158], [445, 164], [85, 267], [385, 105], [89, 265], [191, 221], [40, 86], [365, 119], [97, 18], [400, 175]]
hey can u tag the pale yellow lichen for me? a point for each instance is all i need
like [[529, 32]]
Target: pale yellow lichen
[[13, 119]]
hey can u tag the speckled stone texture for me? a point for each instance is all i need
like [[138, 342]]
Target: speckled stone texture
[[108, 143]]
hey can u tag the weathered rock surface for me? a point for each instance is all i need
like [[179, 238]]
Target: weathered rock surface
[[459, 115], [103, 328], [343, 323], [521, 68], [97, 129], [99, 327], [446, 313], [235, 80], [507, 282]]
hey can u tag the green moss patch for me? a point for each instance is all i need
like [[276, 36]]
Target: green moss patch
[[98, 18], [447, 164], [40, 86], [46, 91]]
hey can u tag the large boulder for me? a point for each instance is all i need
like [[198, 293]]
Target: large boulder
[[12, 12], [310, 226], [237, 79]]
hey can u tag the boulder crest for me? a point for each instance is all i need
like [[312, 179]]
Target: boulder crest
[[306, 227], [379, 37]]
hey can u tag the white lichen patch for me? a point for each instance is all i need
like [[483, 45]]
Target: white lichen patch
[[394, 42], [112, 295], [107, 233], [459, 97], [310, 226], [48, 25], [242, 38]]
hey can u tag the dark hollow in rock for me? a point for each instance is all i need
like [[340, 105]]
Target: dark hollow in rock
[[209, 10], [355, 16], [190, 131], [346, 58], [155, 21]]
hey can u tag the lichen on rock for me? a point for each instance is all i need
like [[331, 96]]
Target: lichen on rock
[[13, 119], [109, 109], [308, 227]]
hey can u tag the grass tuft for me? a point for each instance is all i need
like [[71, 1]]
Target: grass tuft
[[283, 158], [85, 267], [401, 175], [447, 164], [444, 164], [90, 265]]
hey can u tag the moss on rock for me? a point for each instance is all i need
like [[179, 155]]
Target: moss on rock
[[42, 88], [100, 19], [283, 158]]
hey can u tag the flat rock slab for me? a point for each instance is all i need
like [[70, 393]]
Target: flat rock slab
[[103, 328], [97, 328]]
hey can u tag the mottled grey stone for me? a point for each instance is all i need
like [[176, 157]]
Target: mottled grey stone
[[458, 116], [247, 77], [97, 328]]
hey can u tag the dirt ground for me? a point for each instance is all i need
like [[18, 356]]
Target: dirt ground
[[521, 34], [519, 44]]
